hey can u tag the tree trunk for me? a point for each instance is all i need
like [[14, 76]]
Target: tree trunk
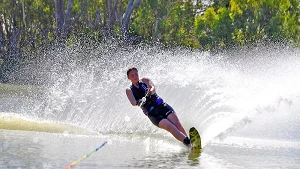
[[64, 23], [2, 40], [59, 16], [23, 11], [125, 23]]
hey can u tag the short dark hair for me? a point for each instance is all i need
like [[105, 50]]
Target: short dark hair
[[130, 69]]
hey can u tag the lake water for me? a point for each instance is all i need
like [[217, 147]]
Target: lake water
[[245, 105], [32, 150]]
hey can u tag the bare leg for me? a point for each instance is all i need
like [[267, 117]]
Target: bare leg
[[174, 119], [167, 125]]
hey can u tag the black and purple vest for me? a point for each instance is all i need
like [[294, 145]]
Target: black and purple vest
[[152, 102]]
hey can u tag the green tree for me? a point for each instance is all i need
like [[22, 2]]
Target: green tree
[[242, 22], [170, 22]]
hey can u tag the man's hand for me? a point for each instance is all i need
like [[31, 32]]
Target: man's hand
[[149, 92], [139, 102]]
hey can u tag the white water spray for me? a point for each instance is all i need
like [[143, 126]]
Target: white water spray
[[218, 94]]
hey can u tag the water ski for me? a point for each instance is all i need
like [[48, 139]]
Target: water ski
[[195, 143]]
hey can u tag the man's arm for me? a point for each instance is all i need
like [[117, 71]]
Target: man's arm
[[150, 84], [130, 97]]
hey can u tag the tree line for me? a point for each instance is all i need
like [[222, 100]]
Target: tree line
[[26, 25]]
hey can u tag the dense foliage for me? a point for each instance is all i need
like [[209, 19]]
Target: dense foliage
[[30, 23], [26, 25]]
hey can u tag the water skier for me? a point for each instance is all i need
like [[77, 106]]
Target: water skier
[[142, 93]]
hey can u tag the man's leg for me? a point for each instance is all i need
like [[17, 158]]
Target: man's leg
[[174, 119], [167, 125]]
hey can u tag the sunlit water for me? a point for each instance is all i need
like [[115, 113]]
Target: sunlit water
[[245, 105]]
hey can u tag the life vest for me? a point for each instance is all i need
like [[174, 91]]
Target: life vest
[[152, 101]]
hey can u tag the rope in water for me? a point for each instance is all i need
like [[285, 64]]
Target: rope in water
[[84, 157]]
